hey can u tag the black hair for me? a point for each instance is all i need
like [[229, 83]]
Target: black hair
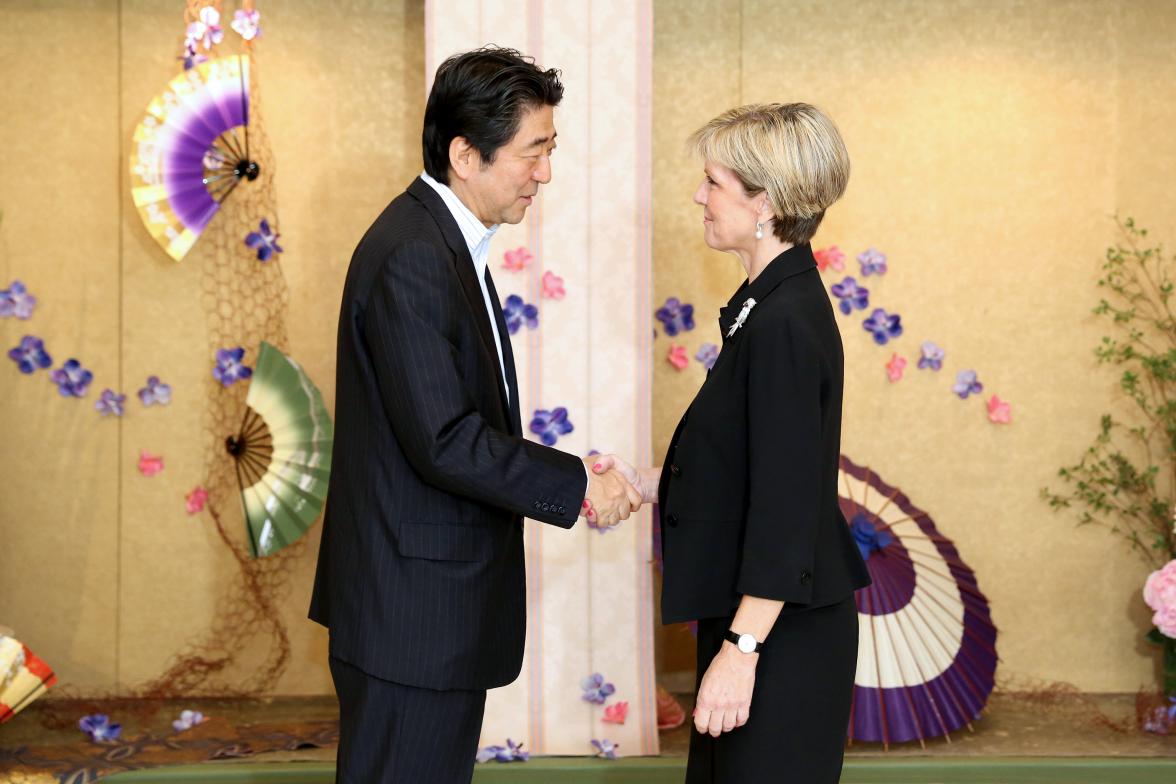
[[481, 96]]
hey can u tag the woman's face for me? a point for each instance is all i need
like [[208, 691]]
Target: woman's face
[[729, 215]]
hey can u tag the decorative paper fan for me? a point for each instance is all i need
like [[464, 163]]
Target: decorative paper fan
[[927, 650], [283, 452], [23, 677], [191, 151]]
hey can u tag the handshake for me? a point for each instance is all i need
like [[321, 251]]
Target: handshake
[[615, 490]]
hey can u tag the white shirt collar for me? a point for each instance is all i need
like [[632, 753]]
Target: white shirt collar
[[475, 233]]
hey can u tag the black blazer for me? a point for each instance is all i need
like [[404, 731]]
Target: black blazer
[[420, 574], [748, 493]]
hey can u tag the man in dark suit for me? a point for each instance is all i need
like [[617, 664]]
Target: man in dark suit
[[421, 576]]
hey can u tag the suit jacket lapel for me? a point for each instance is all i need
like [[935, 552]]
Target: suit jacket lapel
[[512, 380]]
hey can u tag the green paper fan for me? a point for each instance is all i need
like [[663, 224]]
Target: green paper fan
[[283, 453]]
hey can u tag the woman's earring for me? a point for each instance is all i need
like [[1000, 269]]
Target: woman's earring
[[759, 231]]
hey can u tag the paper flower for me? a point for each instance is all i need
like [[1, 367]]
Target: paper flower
[[1160, 719], [550, 425], [676, 356], [188, 719], [155, 392], [517, 260], [748, 304], [707, 354], [191, 57], [228, 369], [110, 403], [616, 713], [206, 30], [16, 301], [195, 500], [553, 286], [30, 355], [511, 752], [895, 367], [264, 241], [72, 379], [883, 326], [595, 689], [873, 262], [149, 464], [869, 539], [932, 356], [830, 258], [1160, 594], [851, 295], [999, 411], [247, 23], [516, 312], [967, 384], [676, 316], [99, 728], [605, 748]]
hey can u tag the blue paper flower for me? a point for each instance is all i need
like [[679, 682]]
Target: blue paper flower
[[869, 539], [873, 262], [72, 379], [264, 240], [595, 689], [550, 425], [932, 356], [110, 403], [967, 384], [516, 312], [30, 355], [707, 354], [511, 752], [676, 316], [883, 326], [155, 392], [851, 295], [605, 748], [16, 301], [99, 728], [229, 369]]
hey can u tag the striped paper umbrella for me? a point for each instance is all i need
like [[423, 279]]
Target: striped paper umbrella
[[927, 649], [191, 150], [23, 676]]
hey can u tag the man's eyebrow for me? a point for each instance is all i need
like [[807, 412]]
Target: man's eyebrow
[[543, 140]]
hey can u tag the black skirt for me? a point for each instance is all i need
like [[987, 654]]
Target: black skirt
[[799, 716]]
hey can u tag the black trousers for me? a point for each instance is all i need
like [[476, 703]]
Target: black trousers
[[390, 733], [796, 730]]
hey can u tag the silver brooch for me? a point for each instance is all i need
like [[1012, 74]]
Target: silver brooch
[[742, 317]]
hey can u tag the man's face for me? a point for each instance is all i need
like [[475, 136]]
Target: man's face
[[502, 191]]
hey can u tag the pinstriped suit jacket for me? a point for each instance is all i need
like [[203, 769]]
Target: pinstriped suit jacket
[[420, 573]]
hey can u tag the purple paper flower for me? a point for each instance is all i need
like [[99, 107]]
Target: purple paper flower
[[247, 23], [676, 316], [851, 295], [516, 312], [932, 356], [155, 392], [264, 240], [595, 689], [206, 30], [99, 728], [1160, 719], [605, 748], [707, 354], [966, 384], [191, 58], [550, 425], [110, 403], [883, 326], [16, 301], [188, 719], [229, 369], [30, 355], [873, 262], [869, 539], [511, 752], [72, 379]]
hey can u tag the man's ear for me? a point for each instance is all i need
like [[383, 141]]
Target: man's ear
[[464, 159]]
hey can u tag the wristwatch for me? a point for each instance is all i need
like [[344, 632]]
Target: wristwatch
[[744, 642]]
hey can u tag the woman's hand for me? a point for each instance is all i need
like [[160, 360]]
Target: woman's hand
[[645, 481], [724, 698]]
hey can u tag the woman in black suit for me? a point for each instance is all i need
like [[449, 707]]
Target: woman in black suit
[[755, 545]]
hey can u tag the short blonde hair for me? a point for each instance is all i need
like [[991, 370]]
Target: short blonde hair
[[791, 151]]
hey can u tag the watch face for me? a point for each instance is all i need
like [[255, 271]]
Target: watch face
[[747, 643]]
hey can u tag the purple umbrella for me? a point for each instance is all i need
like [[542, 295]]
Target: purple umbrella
[[927, 648]]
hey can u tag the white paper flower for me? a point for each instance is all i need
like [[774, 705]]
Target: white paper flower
[[742, 317], [247, 23]]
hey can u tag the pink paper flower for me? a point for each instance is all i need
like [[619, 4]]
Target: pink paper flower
[[149, 464], [1160, 594], [553, 285], [247, 23], [677, 356], [195, 500], [517, 259], [616, 713], [830, 257], [999, 412], [895, 367]]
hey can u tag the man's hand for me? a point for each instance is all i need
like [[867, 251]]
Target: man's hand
[[611, 497]]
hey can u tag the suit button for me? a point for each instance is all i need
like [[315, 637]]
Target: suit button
[[675, 470], [672, 520], [806, 577], [547, 507], [562, 510]]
